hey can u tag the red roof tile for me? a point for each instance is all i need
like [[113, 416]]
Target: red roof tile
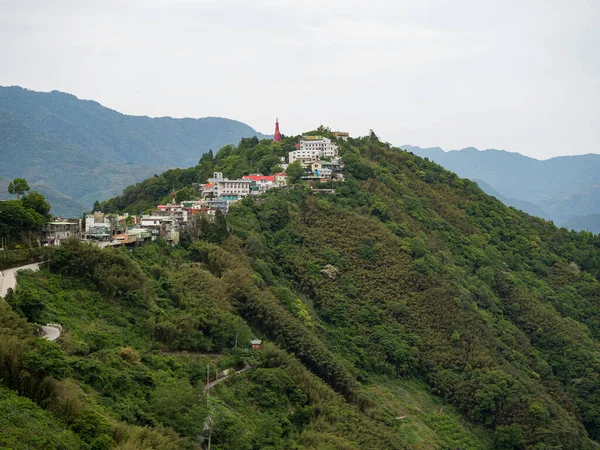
[[259, 177]]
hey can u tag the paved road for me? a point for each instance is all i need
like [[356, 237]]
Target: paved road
[[50, 333], [8, 280], [8, 277]]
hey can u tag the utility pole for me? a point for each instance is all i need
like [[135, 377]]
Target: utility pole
[[208, 419], [207, 381]]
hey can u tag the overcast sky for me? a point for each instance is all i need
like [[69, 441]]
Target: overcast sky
[[521, 75]]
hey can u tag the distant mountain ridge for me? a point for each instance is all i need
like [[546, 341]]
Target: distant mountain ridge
[[559, 189], [523, 205], [591, 222], [84, 151]]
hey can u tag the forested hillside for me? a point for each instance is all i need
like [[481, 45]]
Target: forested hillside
[[563, 189], [408, 310], [87, 152]]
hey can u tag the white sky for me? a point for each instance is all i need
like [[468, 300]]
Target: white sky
[[517, 75]]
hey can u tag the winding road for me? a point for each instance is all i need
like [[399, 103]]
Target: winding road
[[8, 280], [8, 277], [51, 333]]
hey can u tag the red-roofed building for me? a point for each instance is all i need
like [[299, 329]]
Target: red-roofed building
[[260, 183], [258, 177]]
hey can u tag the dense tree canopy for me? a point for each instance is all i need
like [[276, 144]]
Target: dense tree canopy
[[295, 171], [22, 220]]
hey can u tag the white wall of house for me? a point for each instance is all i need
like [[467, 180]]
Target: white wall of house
[[151, 221], [304, 156], [96, 220], [281, 180], [240, 188], [313, 149]]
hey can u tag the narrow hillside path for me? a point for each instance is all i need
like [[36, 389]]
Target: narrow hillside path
[[8, 277], [210, 385]]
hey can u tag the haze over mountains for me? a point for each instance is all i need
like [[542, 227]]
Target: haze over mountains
[[565, 189], [77, 151]]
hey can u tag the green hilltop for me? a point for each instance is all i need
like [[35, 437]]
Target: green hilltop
[[409, 310]]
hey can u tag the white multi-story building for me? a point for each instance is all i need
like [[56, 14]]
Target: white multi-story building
[[54, 232], [327, 148], [304, 156], [152, 221], [313, 148], [219, 186], [260, 183], [159, 226], [97, 225]]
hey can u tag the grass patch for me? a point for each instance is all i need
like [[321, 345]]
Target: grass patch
[[423, 420]]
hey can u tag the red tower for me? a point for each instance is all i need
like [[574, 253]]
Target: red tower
[[277, 136]]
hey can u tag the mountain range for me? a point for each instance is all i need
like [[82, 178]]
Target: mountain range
[[564, 189], [77, 151]]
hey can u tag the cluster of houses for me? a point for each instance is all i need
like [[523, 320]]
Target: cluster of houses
[[111, 230], [317, 155], [220, 192]]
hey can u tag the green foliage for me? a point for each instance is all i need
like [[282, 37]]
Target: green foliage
[[17, 414], [186, 193], [509, 438], [21, 220], [19, 223], [46, 358], [295, 171], [112, 272], [21, 256], [37, 202], [18, 187], [175, 403], [204, 228]]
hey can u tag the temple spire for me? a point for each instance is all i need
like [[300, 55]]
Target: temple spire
[[277, 135]]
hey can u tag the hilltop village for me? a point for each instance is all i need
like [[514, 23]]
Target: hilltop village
[[318, 156]]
